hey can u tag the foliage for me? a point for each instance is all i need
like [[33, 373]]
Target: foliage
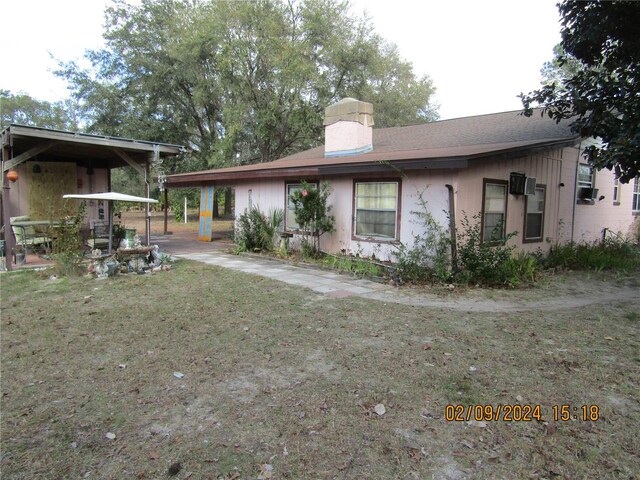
[[25, 110], [257, 231], [356, 265], [312, 214], [599, 83], [239, 82], [427, 257], [611, 254], [119, 233], [66, 248], [485, 263]]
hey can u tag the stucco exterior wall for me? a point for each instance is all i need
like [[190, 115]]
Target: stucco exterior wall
[[564, 219], [585, 222], [271, 193]]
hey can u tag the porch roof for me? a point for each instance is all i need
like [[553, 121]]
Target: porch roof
[[23, 143]]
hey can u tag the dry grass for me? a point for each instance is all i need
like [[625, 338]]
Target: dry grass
[[278, 375], [136, 219]]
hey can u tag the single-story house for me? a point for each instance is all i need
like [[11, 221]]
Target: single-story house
[[517, 173], [50, 163]]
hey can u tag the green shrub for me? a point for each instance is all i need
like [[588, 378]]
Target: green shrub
[[614, 253], [427, 258], [256, 231], [479, 262]]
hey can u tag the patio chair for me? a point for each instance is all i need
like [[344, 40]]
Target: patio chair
[[99, 238], [28, 237]]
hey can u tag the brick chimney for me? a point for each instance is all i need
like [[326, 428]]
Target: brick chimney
[[348, 128]]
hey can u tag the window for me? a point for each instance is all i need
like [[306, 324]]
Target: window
[[494, 210], [290, 223], [585, 176], [635, 200], [376, 210], [534, 216], [616, 190]]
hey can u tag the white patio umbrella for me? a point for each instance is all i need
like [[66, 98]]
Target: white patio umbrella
[[111, 197]]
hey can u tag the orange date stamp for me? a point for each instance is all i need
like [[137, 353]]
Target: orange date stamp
[[519, 413]]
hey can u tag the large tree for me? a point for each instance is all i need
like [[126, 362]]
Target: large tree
[[240, 82], [596, 81]]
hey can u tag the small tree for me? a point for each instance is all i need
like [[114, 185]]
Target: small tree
[[66, 251], [312, 213]]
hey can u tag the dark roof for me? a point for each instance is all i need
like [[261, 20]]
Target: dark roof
[[429, 145]]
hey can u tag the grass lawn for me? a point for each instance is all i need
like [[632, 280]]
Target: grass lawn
[[279, 376]]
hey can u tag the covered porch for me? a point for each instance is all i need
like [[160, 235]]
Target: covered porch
[[40, 165]]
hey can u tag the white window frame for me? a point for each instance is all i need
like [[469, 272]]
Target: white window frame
[[616, 190], [635, 199], [528, 204], [497, 183], [584, 183], [396, 210], [288, 204]]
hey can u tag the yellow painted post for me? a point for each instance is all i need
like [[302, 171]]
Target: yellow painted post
[[206, 214]]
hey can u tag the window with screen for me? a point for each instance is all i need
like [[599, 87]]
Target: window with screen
[[376, 210], [534, 216], [494, 210]]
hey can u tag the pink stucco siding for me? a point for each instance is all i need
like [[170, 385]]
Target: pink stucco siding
[[564, 218]]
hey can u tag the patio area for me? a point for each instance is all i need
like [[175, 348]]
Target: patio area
[[182, 241]]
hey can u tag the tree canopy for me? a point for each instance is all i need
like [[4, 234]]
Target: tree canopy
[[594, 79], [25, 110], [240, 82]]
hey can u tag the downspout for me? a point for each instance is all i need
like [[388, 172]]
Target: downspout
[[575, 192], [452, 228]]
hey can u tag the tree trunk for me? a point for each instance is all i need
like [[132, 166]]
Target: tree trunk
[[216, 214], [227, 201]]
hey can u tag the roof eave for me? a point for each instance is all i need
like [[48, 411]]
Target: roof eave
[[18, 131]]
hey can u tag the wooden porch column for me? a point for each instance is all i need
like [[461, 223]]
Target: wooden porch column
[[147, 208], [6, 212], [205, 233]]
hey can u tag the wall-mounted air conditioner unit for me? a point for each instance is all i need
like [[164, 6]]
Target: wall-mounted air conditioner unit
[[516, 183], [530, 186], [585, 193]]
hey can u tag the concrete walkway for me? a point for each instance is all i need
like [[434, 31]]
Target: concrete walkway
[[331, 284], [320, 281]]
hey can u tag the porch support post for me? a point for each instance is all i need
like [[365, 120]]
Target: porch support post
[[9, 244], [147, 208], [205, 234], [166, 210]]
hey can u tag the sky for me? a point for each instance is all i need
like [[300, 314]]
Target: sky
[[479, 54]]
